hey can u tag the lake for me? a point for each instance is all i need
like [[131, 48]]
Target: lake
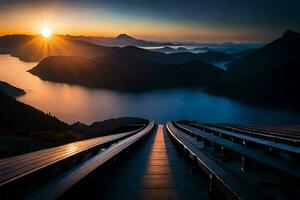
[[72, 103]]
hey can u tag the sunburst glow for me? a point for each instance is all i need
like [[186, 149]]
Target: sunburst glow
[[46, 32]]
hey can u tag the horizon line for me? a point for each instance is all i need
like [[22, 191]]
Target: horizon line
[[144, 39]]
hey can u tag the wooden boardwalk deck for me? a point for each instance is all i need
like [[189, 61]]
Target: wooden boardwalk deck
[[262, 142], [19, 166], [274, 162], [155, 163], [155, 170]]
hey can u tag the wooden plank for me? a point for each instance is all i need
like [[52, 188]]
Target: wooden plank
[[276, 129], [234, 185], [155, 194], [263, 142], [144, 169], [59, 185], [19, 166], [267, 133], [42, 153], [276, 163]]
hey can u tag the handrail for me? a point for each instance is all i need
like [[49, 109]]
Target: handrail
[[260, 141], [14, 168], [263, 132], [61, 184], [247, 152], [233, 186]]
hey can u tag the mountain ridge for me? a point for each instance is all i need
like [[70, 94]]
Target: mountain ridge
[[125, 73], [35, 49], [268, 76], [11, 90]]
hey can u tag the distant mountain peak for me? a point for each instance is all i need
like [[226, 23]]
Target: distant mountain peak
[[167, 48], [291, 34], [124, 36]]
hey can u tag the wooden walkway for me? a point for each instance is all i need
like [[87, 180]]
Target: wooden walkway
[[19, 166], [257, 155], [155, 162], [154, 170], [263, 142]]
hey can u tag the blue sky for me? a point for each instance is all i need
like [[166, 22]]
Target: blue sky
[[198, 20]]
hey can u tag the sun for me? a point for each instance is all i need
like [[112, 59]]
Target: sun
[[46, 32]]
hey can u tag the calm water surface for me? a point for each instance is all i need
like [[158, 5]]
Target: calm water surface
[[74, 103]]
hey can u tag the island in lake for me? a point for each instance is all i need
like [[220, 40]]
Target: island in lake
[[266, 76]]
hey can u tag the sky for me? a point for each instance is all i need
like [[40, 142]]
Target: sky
[[180, 20]]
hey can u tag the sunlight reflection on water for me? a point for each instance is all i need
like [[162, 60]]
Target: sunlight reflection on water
[[74, 103]]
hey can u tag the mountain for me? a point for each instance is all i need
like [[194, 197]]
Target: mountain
[[124, 73], [243, 53], [165, 49], [111, 126], [36, 48], [18, 117], [181, 49], [24, 129], [268, 76], [215, 57], [173, 58], [201, 49], [11, 90], [168, 49], [126, 40], [119, 41], [281, 53], [211, 57], [124, 36], [231, 47]]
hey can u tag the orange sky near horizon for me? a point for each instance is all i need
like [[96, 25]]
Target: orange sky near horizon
[[83, 21]]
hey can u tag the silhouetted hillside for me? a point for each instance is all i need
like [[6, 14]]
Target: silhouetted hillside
[[24, 129], [11, 90], [17, 118], [36, 48], [231, 47], [243, 53], [125, 73], [214, 57], [111, 126], [126, 40], [21, 118], [120, 40], [269, 76], [168, 49], [211, 57]]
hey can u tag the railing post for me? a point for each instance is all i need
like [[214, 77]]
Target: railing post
[[199, 138], [245, 143], [217, 147], [210, 183], [225, 152], [243, 164], [206, 142]]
